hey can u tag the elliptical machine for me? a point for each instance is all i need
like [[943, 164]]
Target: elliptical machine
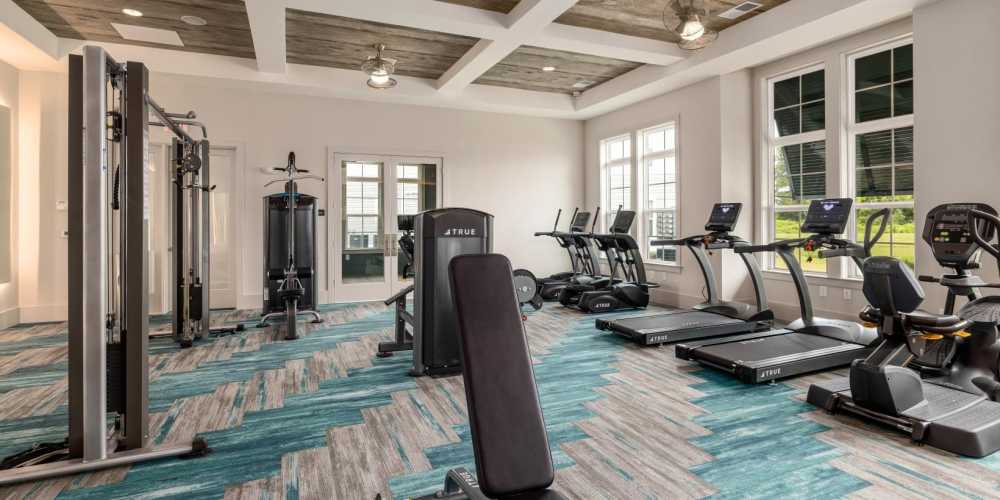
[[583, 261], [959, 410], [287, 296]]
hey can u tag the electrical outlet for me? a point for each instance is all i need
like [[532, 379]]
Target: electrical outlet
[[848, 294], [823, 292], [61, 206]]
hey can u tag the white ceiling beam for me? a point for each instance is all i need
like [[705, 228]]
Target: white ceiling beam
[[330, 82], [527, 19], [267, 26], [784, 30], [607, 44], [23, 40]]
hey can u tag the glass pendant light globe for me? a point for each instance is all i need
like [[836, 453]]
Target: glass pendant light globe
[[692, 29]]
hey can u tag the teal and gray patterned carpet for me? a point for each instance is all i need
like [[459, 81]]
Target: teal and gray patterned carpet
[[322, 417]]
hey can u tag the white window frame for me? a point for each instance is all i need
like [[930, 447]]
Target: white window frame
[[853, 130], [628, 162], [770, 209], [643, 211]]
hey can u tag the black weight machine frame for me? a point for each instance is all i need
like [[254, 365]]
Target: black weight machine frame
[[291, 287]]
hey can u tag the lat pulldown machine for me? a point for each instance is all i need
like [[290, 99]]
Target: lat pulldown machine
[[108, 278]]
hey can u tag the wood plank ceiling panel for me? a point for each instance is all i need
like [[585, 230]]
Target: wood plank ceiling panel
[[340, 42], [522, 69], [644, 18], [227, 32], [641, 18]]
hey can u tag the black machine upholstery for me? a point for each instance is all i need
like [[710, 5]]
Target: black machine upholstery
[[890, 286], [508, 430]]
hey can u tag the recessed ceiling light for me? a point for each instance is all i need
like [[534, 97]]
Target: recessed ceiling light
[[132, 12], [194, 20], [548, 68]]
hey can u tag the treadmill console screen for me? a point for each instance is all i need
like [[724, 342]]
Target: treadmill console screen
[[623, 221], [947, 232], [580, 222], [724, 217], [828, 216]]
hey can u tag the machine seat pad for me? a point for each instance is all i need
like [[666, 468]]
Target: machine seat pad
[[920, 318], [508, 430]]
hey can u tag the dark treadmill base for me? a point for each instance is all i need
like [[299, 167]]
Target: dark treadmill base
[[776, 354], [952, 420], [674, 326]]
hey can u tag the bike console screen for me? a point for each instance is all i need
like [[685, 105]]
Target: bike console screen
[[829, 216], [947, 232], [724, 217]]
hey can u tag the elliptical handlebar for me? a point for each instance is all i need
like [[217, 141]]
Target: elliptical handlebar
[[870, 241], [989, 220]]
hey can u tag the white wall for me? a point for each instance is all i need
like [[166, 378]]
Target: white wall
[[9, 99], [520, 169], [957, 114], [702, 124]]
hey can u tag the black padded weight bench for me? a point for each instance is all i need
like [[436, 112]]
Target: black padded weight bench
[[513, 461]]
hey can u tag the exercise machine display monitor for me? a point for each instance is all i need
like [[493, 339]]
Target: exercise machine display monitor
[[810, 343], [714, 317]]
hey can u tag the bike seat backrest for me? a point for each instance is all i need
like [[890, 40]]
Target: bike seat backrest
[[890, 286], [508, 430]]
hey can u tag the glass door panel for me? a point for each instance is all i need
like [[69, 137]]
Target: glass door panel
[[363, 258], [416, 191]]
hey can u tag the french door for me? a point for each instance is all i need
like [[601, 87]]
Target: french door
[[370, 192]]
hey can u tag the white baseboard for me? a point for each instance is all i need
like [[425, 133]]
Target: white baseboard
[[10, 317], [44, 314]]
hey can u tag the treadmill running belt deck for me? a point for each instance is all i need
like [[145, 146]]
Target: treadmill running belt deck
[[675, 326], [769, 358]]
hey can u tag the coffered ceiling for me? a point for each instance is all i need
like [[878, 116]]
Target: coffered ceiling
[[473, 54]]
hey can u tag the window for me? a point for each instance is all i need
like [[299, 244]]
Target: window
[[796, 156], [616, 176], [659, 173], [362, 205], [880, 136], [416, 188]]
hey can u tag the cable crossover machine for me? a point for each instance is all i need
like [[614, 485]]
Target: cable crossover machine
[[108, 199]]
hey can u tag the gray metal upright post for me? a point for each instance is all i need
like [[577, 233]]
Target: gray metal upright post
[[204, 182], [90, 373]]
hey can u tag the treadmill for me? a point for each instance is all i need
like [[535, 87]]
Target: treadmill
[[714, 317], [810, 343]]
